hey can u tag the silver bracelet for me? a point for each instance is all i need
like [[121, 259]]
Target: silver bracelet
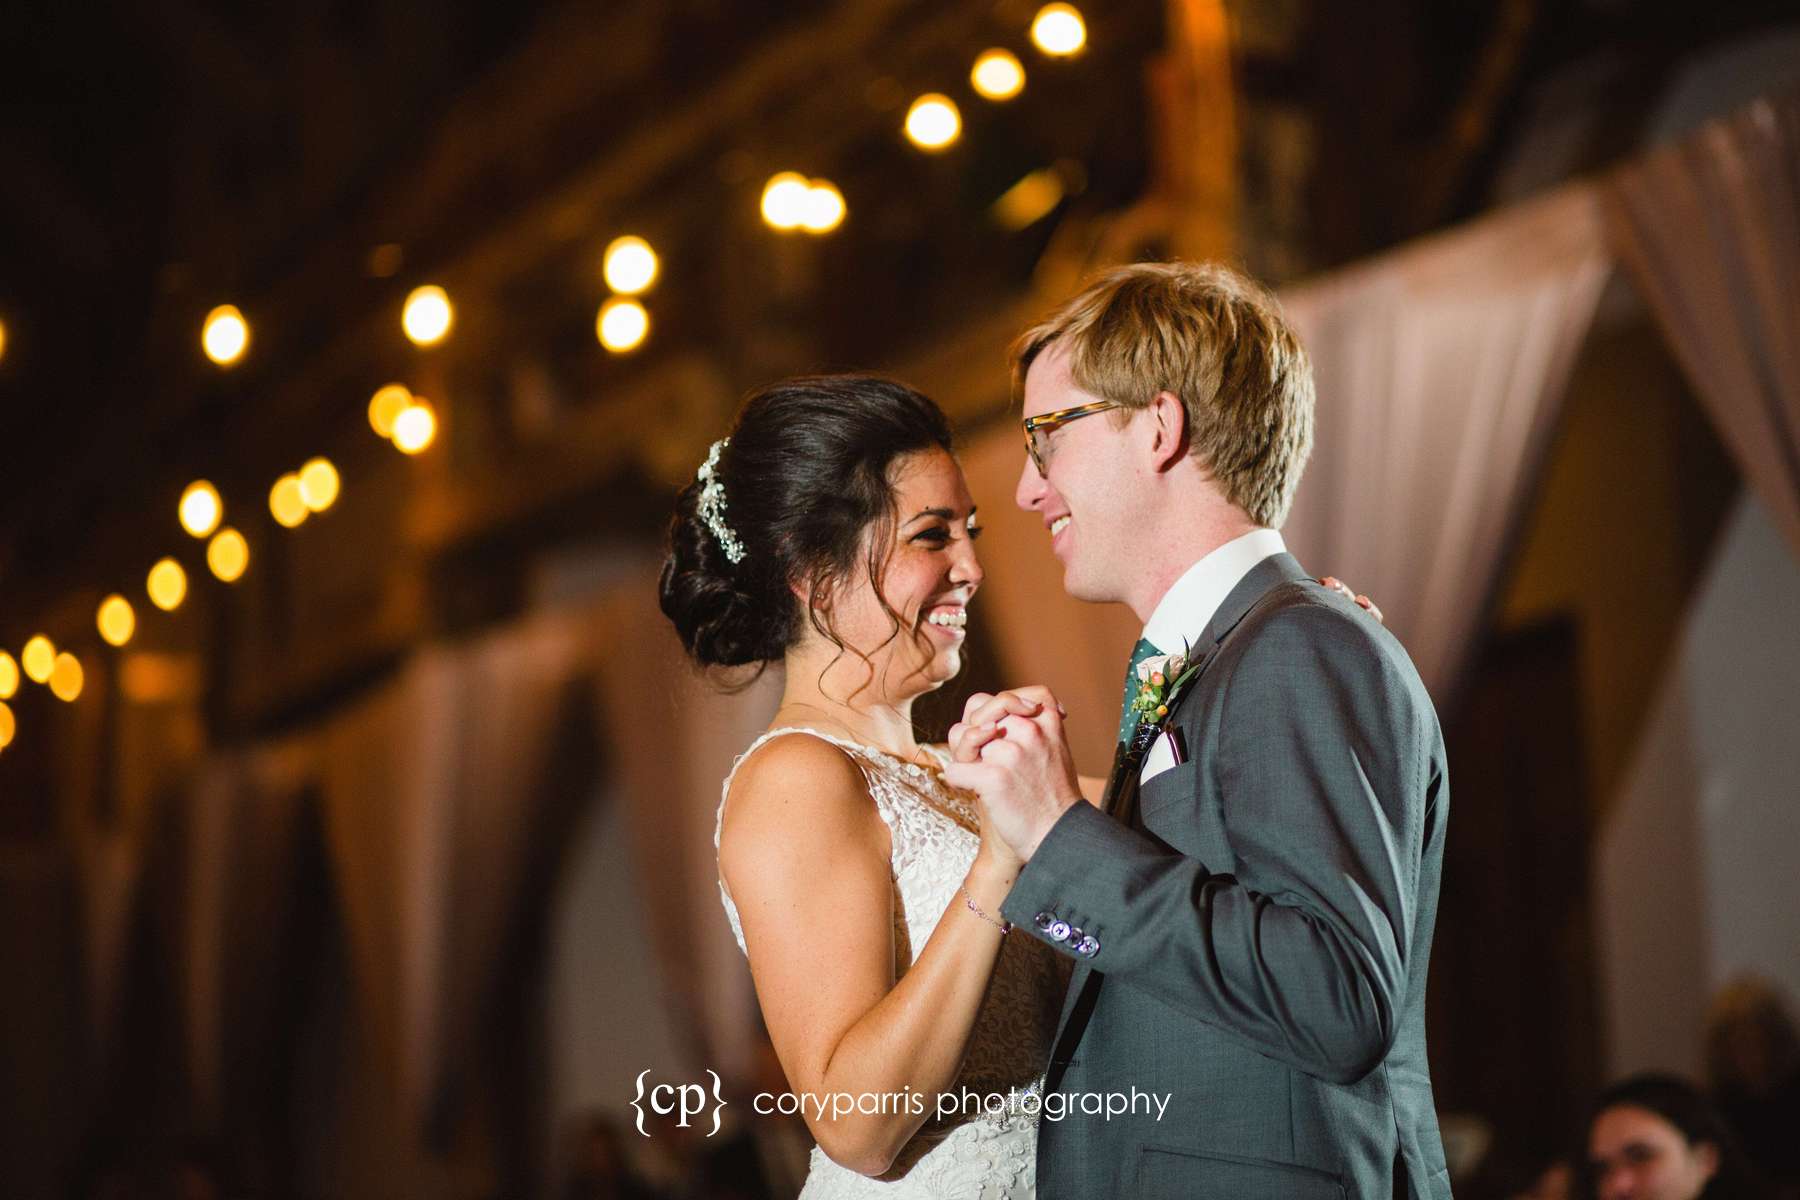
[[1004, 927]]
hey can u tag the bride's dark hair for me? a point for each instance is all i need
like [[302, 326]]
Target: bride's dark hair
[[805, 473]]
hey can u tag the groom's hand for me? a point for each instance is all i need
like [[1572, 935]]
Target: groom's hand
[[982, 714], [1023, 772]]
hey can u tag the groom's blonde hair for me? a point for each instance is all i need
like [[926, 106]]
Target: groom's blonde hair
[[1211, 337]]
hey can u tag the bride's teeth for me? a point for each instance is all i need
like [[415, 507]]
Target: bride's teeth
[[1058, 525], [953, 620]]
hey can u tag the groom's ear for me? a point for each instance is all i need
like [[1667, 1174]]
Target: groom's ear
[[1169, 425]]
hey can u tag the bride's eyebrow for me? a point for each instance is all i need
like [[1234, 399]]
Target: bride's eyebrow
[[942, 514]]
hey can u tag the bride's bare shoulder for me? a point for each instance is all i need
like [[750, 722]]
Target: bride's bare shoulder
[[798, 785]]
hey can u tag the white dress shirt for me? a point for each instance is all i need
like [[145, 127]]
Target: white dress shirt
[[1186, 609]]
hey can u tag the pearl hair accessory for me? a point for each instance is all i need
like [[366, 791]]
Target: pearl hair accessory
[[712, 503]]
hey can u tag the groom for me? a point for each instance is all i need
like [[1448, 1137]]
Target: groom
[[1250, 909]]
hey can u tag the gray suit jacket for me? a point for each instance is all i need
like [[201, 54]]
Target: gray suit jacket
[[1252, 932]]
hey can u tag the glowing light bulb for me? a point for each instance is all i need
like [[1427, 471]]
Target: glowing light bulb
[[933, 122], [200, 508], [286, 504], [416, 428], [630, 266], [167, 585], [824, 207], [116, 619], [784, 200], [1059, 30], [38, 658], [998, 75], [319, 484], [228, 554], [622, 325], [9, 676], [385, 405], [427, 315], [225, 335], [66, 677]]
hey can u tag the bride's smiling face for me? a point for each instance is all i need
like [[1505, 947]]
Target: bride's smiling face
[[912, 629]]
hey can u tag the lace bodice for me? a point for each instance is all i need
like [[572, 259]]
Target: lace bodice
[[991, 1156]]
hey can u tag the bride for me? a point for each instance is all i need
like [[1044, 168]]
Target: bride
[[833, 532]]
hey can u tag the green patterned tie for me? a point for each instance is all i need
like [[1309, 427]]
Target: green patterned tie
[[1128, 717]]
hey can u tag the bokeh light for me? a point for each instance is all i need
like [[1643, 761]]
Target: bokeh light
[[286, 504], [319, 484], [66, 677], [1058, 30], [116, 620], [8, 727], [225, 335], [622, 325], [824, 207], [2, 339], [38, 658], [228, 554], [427, 315], [386, 404], [784, 200], [998, 74], [933, 122], [200, 508], [416, 427], [9, 676], [167, 585], [630, 266]]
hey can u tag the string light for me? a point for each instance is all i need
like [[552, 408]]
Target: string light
[[286, 504], [2, 340], [38, 658], [416, 427], [784, 200], [933, 122], [167, 584], [824, 207], [630, 266], [427, 315], [622, 325], [385, 405], [998, 75], [8, 727], [66, 677], [9, 676], [228, 554], [318, 484], [225, 335], [200, 508], [1058, 30], [116, 620]]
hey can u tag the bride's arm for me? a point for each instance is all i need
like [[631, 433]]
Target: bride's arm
[[806, 858]]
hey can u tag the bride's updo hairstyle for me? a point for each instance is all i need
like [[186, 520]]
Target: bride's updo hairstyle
[[803, 476]]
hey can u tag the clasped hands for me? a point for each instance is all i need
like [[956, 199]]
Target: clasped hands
[[1010, 750]]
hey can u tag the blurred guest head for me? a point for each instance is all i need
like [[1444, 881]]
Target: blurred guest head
[[1656, 1137], [1752, 1045]]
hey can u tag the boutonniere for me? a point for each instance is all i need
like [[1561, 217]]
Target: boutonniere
[[1161, 679]]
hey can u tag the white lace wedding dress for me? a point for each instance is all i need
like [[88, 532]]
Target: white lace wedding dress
[[972, 1155]]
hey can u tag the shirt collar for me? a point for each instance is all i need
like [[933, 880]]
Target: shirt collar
[[1185, 609]]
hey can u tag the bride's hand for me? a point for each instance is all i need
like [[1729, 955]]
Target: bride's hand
[[1368, 605]]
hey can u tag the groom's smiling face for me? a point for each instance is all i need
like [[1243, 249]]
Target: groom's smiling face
[[1084, 496]]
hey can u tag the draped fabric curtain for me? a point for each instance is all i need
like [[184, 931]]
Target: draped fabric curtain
[[1440, 370], [1709, 231]]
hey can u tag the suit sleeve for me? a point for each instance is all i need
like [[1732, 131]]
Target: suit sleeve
[[1322, 768]]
